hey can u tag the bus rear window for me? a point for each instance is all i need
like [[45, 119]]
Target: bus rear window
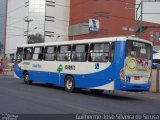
[[138, 49]]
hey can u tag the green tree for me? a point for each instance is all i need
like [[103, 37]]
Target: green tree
[[37, 38]]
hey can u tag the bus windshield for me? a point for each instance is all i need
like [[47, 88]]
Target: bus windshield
[[138, 50]]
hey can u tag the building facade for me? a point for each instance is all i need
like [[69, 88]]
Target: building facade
[[116, 17], [15, 26], [35, 21]]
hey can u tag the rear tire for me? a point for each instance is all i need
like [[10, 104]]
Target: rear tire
[[69, 84], [26, 79]]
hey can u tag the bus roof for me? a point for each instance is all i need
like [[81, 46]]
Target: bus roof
[[95, 40]]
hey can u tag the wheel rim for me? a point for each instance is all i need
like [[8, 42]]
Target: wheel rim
[[69, 83]]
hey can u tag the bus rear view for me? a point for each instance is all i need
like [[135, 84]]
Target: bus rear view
[[135, 75]]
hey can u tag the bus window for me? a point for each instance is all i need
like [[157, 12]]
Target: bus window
[[112, 50], [138, 50], [64, 53], [99, 52], [28, 52], [79, 53], [38, 53], [49, 54], [19, 54]]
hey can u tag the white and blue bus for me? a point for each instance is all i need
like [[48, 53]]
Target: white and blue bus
[[114, 63]]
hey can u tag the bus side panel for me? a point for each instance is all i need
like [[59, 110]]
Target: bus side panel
[[47, 77], [54, 78], [95, 80], [119, 62], [37, 75]]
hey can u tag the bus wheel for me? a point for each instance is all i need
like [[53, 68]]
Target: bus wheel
[[26, 79], [96, 91], [69, 84]]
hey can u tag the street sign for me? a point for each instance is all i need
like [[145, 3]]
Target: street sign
[[94, 25]]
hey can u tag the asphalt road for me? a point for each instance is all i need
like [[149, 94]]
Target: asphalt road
[[19, 98]]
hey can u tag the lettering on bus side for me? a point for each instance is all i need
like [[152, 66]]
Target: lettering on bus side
[[70, 67], [36, 66], [26, 63]]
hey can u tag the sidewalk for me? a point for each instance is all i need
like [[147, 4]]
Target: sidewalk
[[9, 73], [149, 94]]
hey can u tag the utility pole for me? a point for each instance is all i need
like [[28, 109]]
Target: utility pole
[[139, 19], [28, 22], [5, 32], [141, 24], [140, 5]]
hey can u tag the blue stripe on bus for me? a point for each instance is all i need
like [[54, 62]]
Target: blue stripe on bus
[[18, 71]]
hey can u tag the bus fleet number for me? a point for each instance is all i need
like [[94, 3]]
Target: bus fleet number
[[70, 67]]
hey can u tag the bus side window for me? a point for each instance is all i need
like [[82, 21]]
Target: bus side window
[[49, 53], [38, 53], [63, 53], [28, 53], [79, 53], [99, 52], [19, 54]]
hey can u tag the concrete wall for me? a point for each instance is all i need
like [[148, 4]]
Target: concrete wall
[[154, 81]]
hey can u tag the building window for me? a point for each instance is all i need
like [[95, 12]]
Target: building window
[[28, 53], [64, 53], [79, 53], [99, 52], [37, 16], [151, 36], [38, 53], [50, 53], [157, 36]]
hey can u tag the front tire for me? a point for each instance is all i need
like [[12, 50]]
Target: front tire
[[26, 79], [69, 84]]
